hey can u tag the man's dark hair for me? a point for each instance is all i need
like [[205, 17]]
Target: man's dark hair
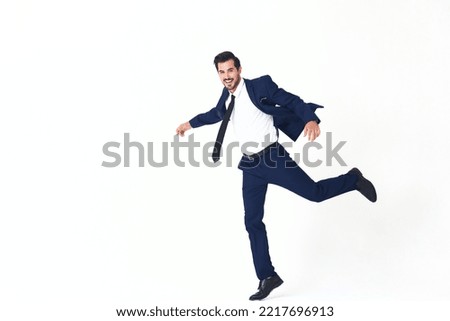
[[225, 56]]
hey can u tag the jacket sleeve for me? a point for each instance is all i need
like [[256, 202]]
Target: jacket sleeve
[[279, 96], [214, 115], [211, 117]]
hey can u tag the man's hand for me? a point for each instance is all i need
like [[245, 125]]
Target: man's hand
[[182, 128], [312, 130]]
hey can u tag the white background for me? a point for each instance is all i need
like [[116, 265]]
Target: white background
[[79, 240]]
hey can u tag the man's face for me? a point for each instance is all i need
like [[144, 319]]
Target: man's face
[[229, 75]]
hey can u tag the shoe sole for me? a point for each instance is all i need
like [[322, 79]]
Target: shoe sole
[[262, 298]]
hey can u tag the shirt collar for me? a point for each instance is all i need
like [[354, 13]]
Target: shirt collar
[[238, 90]]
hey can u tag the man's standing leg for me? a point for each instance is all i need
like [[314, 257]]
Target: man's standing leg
[[254, 194]]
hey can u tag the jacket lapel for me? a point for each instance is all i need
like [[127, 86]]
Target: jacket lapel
[[262, 102]]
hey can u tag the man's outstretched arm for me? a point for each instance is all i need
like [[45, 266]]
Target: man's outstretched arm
[[298, 106]]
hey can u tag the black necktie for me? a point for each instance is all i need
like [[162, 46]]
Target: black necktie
[[222, 129]]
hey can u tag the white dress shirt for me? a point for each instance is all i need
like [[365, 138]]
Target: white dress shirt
[[253, 128]]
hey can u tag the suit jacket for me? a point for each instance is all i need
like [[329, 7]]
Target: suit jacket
[[290, 113]]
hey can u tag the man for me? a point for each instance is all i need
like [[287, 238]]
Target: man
[[258, 109]]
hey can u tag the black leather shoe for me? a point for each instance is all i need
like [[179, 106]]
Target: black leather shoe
[[364, 186], [266, 286]]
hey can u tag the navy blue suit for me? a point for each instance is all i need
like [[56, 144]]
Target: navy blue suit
[[290, 114]]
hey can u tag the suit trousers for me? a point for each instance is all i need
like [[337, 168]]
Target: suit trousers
[[276, 167]]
